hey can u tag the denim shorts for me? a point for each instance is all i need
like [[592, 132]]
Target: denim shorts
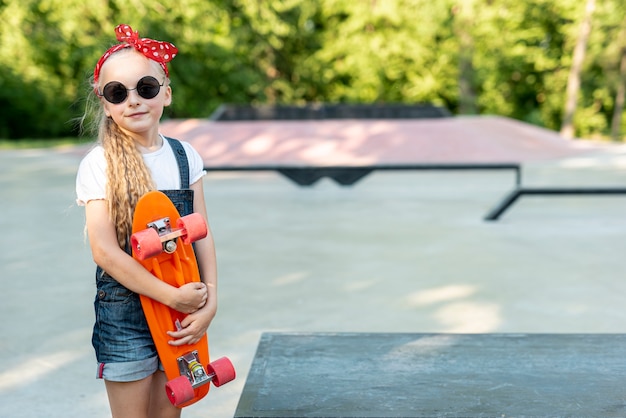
[[121, 338]]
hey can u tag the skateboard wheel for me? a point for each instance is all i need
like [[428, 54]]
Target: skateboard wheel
[[223, 370], [195, 227], [179, 390], [146, 243]]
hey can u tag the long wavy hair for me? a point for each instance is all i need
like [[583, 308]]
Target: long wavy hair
[[127, 176]]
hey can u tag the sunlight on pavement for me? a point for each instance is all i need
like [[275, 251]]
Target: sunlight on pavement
[[456, 314], [290, 278], [441, 294], [25, 373], [470, 317]]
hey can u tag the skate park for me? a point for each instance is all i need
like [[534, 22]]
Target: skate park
[[397, 253]]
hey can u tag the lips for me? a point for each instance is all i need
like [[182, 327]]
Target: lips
[[136, 115]]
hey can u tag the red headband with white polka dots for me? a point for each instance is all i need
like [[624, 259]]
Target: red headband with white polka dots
[[161, 52]]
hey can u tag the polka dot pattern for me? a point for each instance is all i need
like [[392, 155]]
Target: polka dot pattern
[[161, 52]]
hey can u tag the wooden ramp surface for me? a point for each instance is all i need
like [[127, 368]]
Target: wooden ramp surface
[[355, 142]]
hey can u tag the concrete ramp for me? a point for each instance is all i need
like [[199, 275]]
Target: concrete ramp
[[436, 375]]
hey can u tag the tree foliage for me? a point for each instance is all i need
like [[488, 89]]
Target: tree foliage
[[502, 57]]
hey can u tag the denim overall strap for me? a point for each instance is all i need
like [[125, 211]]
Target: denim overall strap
[[183, 198], [181, 159]]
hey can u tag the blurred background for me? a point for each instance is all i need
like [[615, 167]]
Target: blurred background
[[559, 64]]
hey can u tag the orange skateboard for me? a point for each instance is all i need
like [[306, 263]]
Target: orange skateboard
[[161, 242]]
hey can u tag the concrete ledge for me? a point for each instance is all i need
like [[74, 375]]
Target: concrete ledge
[[436, 375]]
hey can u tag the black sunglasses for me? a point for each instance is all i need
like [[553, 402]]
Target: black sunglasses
[[147, 87]]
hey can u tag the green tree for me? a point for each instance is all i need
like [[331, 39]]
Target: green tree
[[386, 51], [500, 57], [620, 94], [573, 81], [517, 52], [600, 78]]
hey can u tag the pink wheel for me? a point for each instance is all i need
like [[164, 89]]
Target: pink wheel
[[195, 227], [179, 390], [223, 370], [146, 243]]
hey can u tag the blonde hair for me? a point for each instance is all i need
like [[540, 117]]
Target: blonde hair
[[128, 177]]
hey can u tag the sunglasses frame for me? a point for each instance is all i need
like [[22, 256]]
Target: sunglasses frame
[[137, 87]]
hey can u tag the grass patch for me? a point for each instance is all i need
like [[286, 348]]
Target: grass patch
[[31, 143]]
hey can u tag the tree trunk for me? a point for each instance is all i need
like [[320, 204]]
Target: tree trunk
[[462, 25], [616, 122], [573, 81]]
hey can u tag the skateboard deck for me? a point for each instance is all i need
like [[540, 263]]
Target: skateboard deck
[[162, 243]]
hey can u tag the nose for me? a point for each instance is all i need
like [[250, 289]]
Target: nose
[[133, 97]]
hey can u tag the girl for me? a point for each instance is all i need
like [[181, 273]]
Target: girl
[[131, 157]]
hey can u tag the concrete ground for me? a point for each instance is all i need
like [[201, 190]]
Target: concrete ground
[[397, 252]]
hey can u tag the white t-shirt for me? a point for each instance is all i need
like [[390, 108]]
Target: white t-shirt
[[91, 176]]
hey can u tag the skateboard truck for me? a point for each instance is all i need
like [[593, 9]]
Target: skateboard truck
[[189, 365], [161, 237], [193, 375], [163, 228]]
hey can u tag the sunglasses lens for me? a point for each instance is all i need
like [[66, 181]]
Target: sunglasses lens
[[115, 92], [148, 87]]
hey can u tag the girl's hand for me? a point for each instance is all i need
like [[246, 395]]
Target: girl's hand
[[193, 327], [190, 297]]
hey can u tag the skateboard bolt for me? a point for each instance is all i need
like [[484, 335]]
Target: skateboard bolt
[[170, 247]]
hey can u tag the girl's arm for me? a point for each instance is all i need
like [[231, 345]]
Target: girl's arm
[[196, 324], [108, 255]]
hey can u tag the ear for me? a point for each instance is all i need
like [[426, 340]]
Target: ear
[[168, 96], [105, 107]]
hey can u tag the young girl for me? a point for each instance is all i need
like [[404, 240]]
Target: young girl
[[131, 158]]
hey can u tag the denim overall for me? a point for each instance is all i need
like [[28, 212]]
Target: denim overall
[[121, 333]]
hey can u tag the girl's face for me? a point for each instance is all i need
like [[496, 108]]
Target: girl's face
[[136, 115]]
